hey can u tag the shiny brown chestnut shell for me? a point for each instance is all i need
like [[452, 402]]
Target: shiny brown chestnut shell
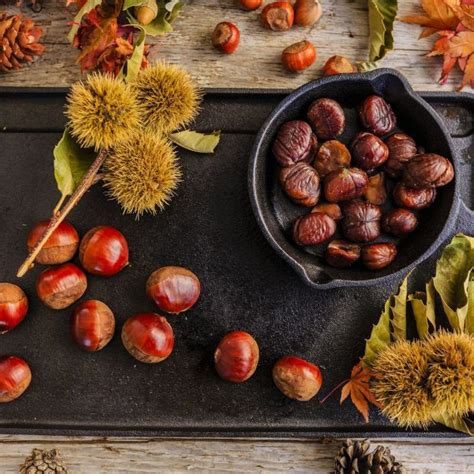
[[345, 184], [378, 256], [376, 192], [399, 222], [428, 171], [331, 209], [361, 222], [368, 151], [377, 116], [401, 148], [295, 142], [313, 229], [342, 254], [327, 118], [331, 156], [412, 198], [301, 183]]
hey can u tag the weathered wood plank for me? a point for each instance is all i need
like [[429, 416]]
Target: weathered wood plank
[[141, 456], [343, 29]]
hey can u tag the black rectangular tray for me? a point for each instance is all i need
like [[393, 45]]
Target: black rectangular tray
[[209, 228]]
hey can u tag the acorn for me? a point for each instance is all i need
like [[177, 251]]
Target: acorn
[[147, 12]]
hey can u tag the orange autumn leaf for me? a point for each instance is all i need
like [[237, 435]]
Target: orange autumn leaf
[[468, 79], [465, 14], [358, 387]]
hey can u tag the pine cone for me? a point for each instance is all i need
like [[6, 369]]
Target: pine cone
[[43, 462], [354, 458], [19, 41]]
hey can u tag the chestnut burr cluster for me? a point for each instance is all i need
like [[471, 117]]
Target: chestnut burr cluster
[[351, 185]]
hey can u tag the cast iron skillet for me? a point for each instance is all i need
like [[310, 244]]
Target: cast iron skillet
[[275, 213]]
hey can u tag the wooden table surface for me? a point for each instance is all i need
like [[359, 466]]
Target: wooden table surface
[[342, 30]]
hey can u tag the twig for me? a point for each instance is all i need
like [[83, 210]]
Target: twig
[[339, 385]]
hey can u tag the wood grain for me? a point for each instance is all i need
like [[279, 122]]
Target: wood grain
[[343, 29]]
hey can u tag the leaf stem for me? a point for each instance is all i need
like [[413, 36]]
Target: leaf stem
[[339, 385], [58, 217], [59, 204]]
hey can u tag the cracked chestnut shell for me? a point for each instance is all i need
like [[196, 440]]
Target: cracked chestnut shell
[[412, 198], [331, 156], [376, 192], [368, 151], [378, 256], [331, 209], [313, 229], [361, 222], [401, 148], [301, 183], [428, 171], [377, 116], [345, 184], [327, 118], [399, 222], [342, 254], [294, 142]]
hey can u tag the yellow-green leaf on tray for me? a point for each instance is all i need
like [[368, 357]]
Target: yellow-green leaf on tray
[[133, 65], [132, 3], [195, 141], [379, 337], [470, 305], [458, 423], [71, 163], [451, 281], [398, 309], [168, 11], [76, 23], [423, 307]]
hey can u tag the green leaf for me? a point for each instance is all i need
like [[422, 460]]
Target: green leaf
[[71, 163], [162, 23], [132, 3], [398, 309], [195, 141], [458, 423], [86, 8], [133, 65], [379, 337], [366, 66], [452, 279], [423, 306], [382, 14], [470, 304]]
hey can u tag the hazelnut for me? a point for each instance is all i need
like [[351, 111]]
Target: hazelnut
[[412, 198], [376, 192], [345, 184], [377, 116], [368, 151], [428, 171], [250, 4], [226, 37], [399, 222], [307, 12], [301, 183], [378, 256], [342, 254], [331, 209], [338, 65], [327, 118], [298, 56], [331, 156], [361, 221], [401, 148], [295, 142], [313, 229], [278, 16]]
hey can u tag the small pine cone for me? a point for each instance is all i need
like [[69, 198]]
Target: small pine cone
[[350, 456], [381, 461], [43, 462], [19, 41]]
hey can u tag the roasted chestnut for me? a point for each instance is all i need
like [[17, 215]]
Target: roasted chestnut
[[378, 256], [331, 156], [13, 306], [376, 192], [15, 377], [327, 118], [368, 151], [428, 171], [297, 378], [401, 148], [345, 184], [236, 357], [361, 222], [301, 183], [377, 116], [399, 222], [412, 198], [313, 229], [331, 209], [342, 254], [294, 142]]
